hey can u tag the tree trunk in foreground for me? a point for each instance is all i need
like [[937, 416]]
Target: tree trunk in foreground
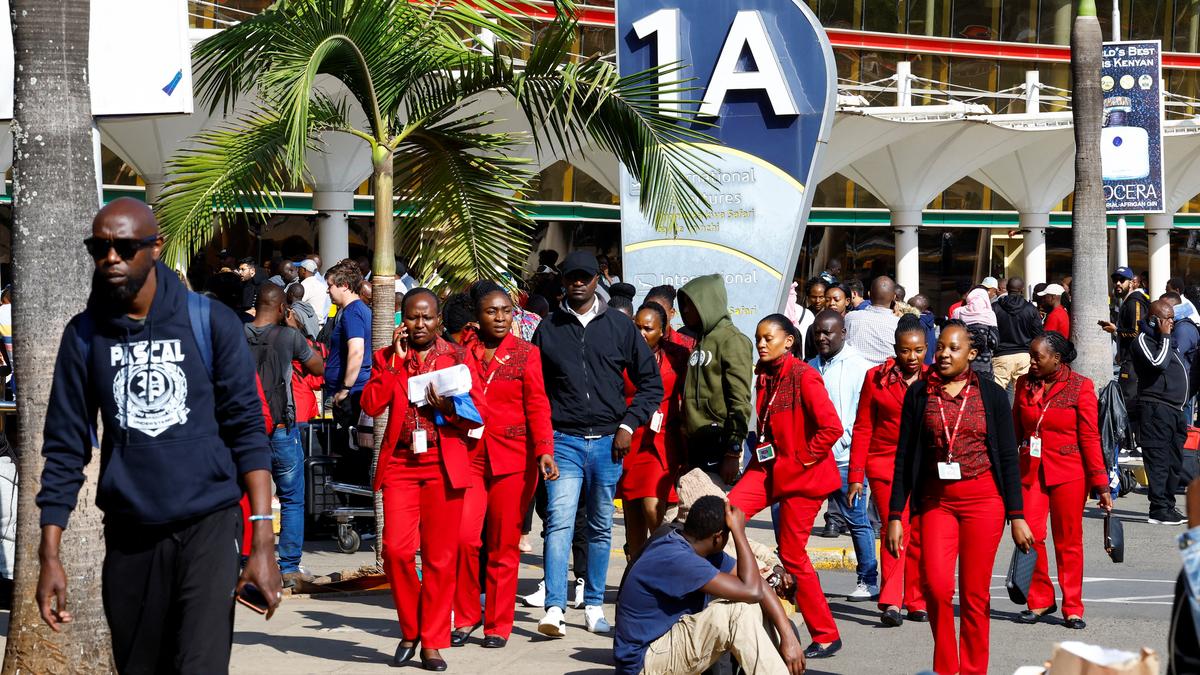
[[383, 307], [1089, 266], [54, 199]]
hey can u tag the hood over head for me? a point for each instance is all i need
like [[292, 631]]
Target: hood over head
[[708, 294]]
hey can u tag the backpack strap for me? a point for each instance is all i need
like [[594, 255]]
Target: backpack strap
[[200, 315]]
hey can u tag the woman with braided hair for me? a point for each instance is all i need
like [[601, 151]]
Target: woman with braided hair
[[1055, 413]]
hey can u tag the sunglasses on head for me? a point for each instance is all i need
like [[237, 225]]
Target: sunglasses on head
[[99, 247]]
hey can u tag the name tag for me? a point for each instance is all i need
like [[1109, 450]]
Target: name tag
[[765, 452], [656, 421], [1035, 446], [476, 433], [420, 441], [949, 471]]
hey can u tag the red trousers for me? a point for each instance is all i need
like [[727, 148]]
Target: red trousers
[[1065, 506], [502, 501], [963, 520], [796, 516], [420, 508], [900, 580]]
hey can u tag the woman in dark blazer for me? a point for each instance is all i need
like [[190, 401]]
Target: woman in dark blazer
[[957, 459]]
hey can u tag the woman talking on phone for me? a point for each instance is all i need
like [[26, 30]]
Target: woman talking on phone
[[793, 466], [517, 444], [1055, 413], [423, 472], [873, 457], [957, 460]]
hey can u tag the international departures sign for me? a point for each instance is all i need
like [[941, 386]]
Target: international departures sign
[[765, 76]]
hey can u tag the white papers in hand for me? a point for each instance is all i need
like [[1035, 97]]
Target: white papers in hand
[[446, 382]]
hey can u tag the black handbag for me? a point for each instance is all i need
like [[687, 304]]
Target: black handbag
[[1020, 575], [1114, 538]]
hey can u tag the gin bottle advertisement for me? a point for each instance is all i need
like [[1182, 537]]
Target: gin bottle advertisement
[[1131, 140]]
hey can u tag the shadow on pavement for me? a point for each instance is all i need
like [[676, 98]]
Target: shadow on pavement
[[329, 649]]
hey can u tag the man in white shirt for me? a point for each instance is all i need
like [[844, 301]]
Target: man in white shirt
[[316, 292], [844, 369], [872, 331]]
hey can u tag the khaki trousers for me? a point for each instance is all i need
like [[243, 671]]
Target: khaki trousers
[[1008, 368], [696, 641]]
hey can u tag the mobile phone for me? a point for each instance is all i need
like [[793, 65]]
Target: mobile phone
[[253, 598]]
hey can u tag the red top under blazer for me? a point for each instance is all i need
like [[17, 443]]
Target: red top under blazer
[[388, 390], [877, 425], [518, 410], [1069, 432]]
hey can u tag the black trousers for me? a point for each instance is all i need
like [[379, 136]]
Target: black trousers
[[1162, 430], [168, 593]]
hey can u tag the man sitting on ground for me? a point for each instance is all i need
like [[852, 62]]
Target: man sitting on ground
[[665, 624]]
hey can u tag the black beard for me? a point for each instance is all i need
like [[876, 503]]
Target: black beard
[[123, 294]]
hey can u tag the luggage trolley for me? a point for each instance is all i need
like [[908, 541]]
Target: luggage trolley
[[334, 499]]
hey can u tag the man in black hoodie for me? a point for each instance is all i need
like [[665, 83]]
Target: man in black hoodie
[[1162, 393], [1019, 323], [183, 433]]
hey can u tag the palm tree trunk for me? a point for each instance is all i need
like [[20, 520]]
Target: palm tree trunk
[[54, 199], [383, 305], [1089, 266]]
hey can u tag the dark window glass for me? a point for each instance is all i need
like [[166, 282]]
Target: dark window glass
[[1054, 22], [883, 15], [976, 19], [1187, 26], [837, 13], [929, 17], [1146, 21], [1020, 21]]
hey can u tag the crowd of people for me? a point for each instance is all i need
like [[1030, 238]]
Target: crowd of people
[[562, 396]]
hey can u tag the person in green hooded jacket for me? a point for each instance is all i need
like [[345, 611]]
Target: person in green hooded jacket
[[716, 400]]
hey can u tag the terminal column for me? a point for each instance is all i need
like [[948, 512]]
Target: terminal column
[[1158, 235], [1033, 228], [333, 235], [153, 190], [908, 264]]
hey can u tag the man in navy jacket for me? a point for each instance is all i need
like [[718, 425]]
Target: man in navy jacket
[[183, 433]]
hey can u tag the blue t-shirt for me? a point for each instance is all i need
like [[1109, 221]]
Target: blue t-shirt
[[662, 587], [354, 321]]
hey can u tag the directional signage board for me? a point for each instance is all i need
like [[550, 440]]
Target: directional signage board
[[1131, 144], [765, 77]]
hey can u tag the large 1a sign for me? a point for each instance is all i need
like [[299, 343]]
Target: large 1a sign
[[765, 77]]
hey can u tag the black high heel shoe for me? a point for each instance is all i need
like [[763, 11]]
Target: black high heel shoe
[[1030, 616], [459, 637], [404, 654], [434, 663]]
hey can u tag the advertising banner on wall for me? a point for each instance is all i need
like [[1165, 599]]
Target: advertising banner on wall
[[764, 76], [1131, 141]]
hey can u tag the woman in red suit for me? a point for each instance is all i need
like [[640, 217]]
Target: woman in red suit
[[957, 458], [517, 442], [793, 466], [423, 472], [652, 465], [1055, 414], [873, 455]]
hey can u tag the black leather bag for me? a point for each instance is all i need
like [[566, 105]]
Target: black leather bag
[[1020, 575], [1114, 538]]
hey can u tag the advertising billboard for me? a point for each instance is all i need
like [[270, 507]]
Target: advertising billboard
[[1131, 140], [764, 76]]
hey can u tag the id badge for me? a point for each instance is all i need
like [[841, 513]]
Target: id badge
[[656, 421], [475, 433], [765, 452], [420, 441], [949, 471], [1035, 446]]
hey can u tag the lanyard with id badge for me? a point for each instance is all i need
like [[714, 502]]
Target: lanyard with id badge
[[1035, 441], [950, 469], [765, 450]]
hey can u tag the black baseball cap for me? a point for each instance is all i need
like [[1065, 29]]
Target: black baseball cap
[[580, 261]]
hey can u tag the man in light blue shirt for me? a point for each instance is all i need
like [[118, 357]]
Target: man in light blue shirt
[[844, 369]]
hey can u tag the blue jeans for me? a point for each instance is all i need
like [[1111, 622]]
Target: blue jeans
[[861, 532], [582, 464], [287, 470]]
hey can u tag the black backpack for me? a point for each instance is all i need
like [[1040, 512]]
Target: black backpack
[[276, 377]]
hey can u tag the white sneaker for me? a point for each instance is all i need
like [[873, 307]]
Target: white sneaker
[[863, 592], [593, 617], [578, 602], [554, 624], [536, 598]]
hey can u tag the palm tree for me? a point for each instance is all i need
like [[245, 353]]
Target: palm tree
[[1089, 266], [418, 77], [55, 196]]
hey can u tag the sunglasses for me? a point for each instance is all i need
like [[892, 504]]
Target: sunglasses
[[99, 247]]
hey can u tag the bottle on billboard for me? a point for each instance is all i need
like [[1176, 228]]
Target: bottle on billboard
[[1124, 150]]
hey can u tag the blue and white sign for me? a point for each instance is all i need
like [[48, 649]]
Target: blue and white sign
[[765, 76], [1131, 140]]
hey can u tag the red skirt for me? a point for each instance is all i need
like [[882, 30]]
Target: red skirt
[[647, 475]]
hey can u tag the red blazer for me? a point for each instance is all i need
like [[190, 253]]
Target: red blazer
[[877, 426], [1069, 432], [667, 444], [388, 390], [518, 427], [803, 425]]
